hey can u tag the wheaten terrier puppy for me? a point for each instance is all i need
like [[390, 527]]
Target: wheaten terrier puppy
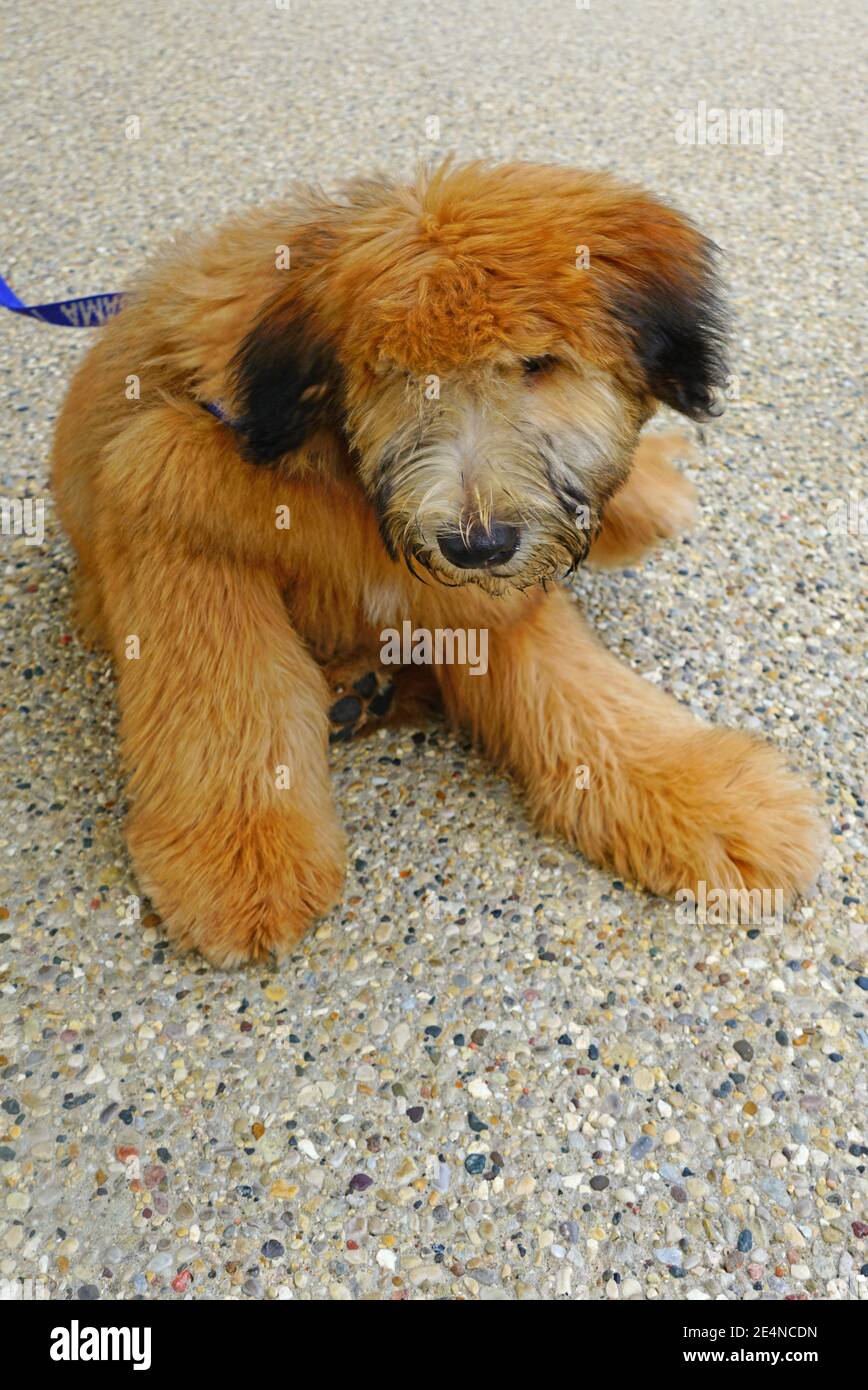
[[413, 404]]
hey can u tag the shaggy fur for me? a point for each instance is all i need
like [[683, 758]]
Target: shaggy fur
[[448, 401]]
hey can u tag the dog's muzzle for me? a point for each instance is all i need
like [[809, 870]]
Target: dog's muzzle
[[481, 549]]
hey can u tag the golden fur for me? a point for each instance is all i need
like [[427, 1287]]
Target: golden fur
[[433, 360]]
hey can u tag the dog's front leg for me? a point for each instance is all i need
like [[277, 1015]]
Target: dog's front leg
[[620, 768], [223, 720]]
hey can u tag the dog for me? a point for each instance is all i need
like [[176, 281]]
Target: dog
[[414, 402]]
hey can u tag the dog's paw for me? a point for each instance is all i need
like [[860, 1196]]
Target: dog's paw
[[719, 811], [360, 705], [239, 890], [767, 830], [656, 503], [678, 503]]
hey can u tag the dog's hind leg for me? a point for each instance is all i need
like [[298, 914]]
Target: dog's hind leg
[[621, 769], [366, 696], [656, 503]]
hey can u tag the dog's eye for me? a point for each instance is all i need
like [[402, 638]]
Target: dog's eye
[[532, 366]]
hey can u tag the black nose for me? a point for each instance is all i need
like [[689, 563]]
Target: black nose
[[480, 548]]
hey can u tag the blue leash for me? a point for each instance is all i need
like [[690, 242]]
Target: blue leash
[[87, 311]]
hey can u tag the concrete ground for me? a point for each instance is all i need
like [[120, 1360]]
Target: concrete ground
[[493, 1073]]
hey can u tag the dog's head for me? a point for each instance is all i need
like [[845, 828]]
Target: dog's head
[[490, 340]]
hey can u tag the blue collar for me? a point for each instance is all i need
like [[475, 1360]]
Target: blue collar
[[215, 408]]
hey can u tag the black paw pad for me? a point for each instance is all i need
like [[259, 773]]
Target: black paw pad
[[367, 686], [353, 712], [382, 701], [346, 710]]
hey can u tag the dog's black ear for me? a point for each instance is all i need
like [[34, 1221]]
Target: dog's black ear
[[285, 386], [678, 328]]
